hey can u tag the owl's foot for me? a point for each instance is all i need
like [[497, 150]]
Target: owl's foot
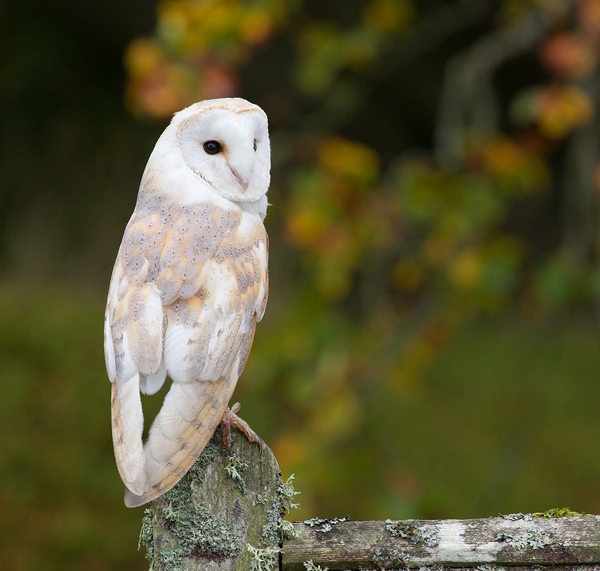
[[230, 417]]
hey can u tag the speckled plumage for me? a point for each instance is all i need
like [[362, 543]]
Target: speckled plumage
[[189, 284]]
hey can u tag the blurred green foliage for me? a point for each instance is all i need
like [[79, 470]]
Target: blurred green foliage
[[505, 421], [57, 468], [429, 347]]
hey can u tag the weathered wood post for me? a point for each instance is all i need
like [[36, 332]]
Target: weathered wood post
[[225, 514]]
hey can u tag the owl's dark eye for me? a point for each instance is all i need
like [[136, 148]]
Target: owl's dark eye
[[255, 144], [212, 147]]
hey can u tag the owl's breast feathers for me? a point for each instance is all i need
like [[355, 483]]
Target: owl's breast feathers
[[197, 268]]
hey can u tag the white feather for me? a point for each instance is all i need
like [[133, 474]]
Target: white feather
[[109, 350], [148, 346], [177, 338], [126, 368], [151, 384], [123, 286], [132, 464]]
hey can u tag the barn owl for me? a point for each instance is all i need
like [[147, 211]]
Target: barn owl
[[188, 287]]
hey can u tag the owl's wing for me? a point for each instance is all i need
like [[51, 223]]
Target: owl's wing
[[189, 309]]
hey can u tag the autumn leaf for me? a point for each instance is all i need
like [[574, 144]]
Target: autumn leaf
[[568, 55]]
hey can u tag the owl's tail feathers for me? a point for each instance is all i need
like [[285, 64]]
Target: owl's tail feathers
[[186, 422], [127, 428]]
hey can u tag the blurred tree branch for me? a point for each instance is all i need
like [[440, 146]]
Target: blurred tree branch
[[429, 33], [468, 99]]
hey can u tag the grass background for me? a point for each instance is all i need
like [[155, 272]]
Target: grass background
[[507, 420]]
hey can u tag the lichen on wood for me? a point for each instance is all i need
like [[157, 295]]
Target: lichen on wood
[[264, 559], [428, 535], [222, 505]]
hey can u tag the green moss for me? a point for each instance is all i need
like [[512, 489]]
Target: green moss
[[147, 536], [234, 468], [557, 512], [195, 527], [550, 514], [213, 449], [273, 530]]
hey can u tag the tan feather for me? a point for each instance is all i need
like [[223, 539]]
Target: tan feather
[[170, 455], [127, 428]]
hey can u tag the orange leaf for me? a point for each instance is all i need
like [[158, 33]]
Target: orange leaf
[[568, 55]]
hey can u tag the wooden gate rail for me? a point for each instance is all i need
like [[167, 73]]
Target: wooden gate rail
[[517, 541]]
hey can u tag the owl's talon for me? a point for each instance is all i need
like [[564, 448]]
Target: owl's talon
[[230, 417]]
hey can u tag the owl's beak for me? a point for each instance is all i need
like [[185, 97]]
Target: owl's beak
[[242, 181]]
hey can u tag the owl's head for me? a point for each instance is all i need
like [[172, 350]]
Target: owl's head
[[223, 142], [226, 143]]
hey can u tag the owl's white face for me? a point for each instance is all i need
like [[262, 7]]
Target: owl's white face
[[225, 142]]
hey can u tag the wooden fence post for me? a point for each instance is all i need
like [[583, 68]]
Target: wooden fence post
[[225, 514]]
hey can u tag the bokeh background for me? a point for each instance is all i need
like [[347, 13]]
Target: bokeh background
[[431, 344]]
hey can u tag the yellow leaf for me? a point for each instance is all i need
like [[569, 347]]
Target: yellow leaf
[[256, 27], [353, 160], [388, 15], [503, 156], [561, 110], [304, 228], [142, 57], [466, 271]]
